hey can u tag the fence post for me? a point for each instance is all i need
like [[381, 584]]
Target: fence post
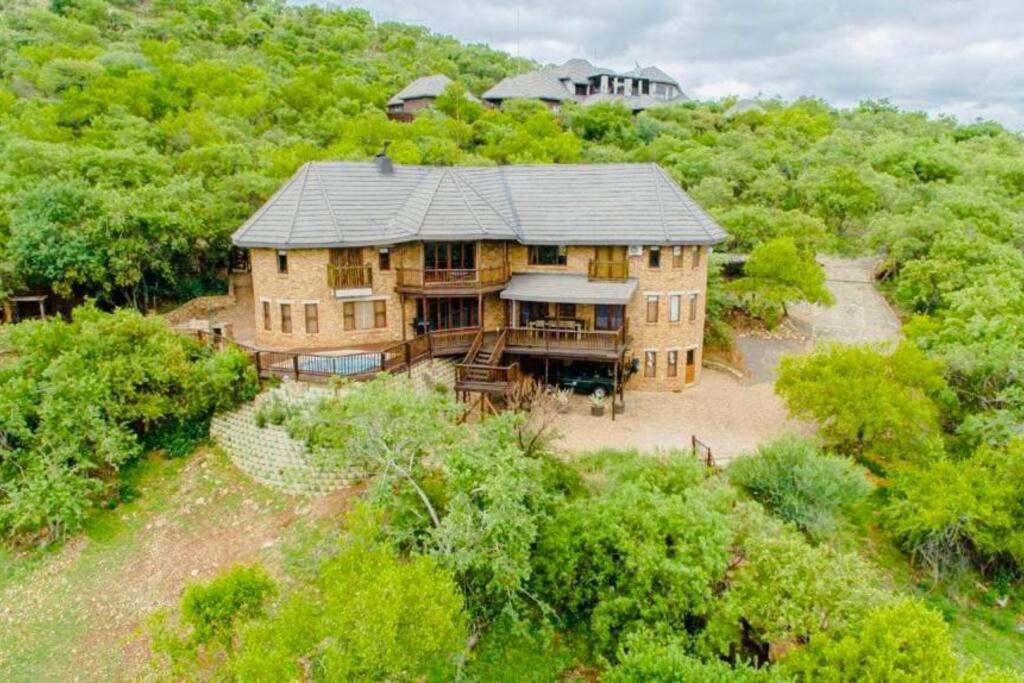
[[295, 366], [407, 346], [259, 364]]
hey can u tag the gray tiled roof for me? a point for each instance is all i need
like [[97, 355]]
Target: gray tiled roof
[[540, 85], [568, 288], [652, 73], [335, 204], [578, 71], [427, 86]]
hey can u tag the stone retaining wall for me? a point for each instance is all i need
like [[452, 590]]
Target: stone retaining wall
[[271, 457]]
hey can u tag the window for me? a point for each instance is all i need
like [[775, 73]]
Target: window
[[675, 303], [384, 259], [567, 311], [282, 261], [312, 319], [693, 308], [364, 315], [652, 308], [532, 310], [266, 315], [696, 258], [545, 255], [672, 360], [654, 257], [650, 363], [677, 257], [446, 314], [286, 318]]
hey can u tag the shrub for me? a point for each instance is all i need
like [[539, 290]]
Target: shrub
[[80, 399], [881, 407], [901, 641], [632, 557], [954, 512], [785, 591], [797, 482], [213, 609], [644, 658], [370, 616]]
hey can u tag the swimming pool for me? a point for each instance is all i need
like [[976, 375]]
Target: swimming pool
[[353, 364]]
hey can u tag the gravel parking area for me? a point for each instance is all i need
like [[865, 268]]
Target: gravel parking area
[[733, 416], [729, 416]]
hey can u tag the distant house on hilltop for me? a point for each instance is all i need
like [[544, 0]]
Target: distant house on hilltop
[[419, 94], [577, 80], [580, 81]]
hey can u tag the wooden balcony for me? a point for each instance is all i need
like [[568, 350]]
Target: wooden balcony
[[340, 278], [452, 281], [617, 271], [566, 343]]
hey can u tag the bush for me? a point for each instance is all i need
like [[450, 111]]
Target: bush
[[955, 512], [902, 641], [647, 659], [209, 617], [80, 399], [881, 407], [783, 592], [797, 482], [213, 609], [632, 558], [370, 616]]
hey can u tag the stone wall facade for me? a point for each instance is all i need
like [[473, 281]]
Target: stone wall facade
[[678, 275]]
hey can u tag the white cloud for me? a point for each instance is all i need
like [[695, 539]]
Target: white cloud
[[941, 56]]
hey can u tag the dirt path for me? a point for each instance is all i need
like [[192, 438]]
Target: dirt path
[[81, 614]]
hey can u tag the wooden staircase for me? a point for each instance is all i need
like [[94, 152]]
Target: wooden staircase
[[481, 371]]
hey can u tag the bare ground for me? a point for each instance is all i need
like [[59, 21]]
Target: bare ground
[[728, 415], [81, 615]]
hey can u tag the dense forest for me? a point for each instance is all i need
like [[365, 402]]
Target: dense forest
[[135, 137]]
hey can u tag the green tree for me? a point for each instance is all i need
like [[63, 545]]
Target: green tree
[[777, 272], [878, 406]]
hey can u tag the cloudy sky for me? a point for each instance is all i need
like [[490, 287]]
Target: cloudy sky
[[958, 57]]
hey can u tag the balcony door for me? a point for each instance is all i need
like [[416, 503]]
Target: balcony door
[[447, 313], [344, 258], [608, 317], [449, 261]]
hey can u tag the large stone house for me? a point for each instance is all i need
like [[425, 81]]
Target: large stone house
[[556, 264], [580, 81]]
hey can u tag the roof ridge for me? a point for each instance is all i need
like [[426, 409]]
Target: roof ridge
[[458, 188], [661, 204], [298, 203], [433, 196], [327, 201], [494, 209], [518, 227]]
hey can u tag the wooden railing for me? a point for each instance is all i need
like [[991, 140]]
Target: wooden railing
[[499, 347], [554, 339], [486, 374], [452, 278], [349, 277], [444, 342], [608, 270]]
